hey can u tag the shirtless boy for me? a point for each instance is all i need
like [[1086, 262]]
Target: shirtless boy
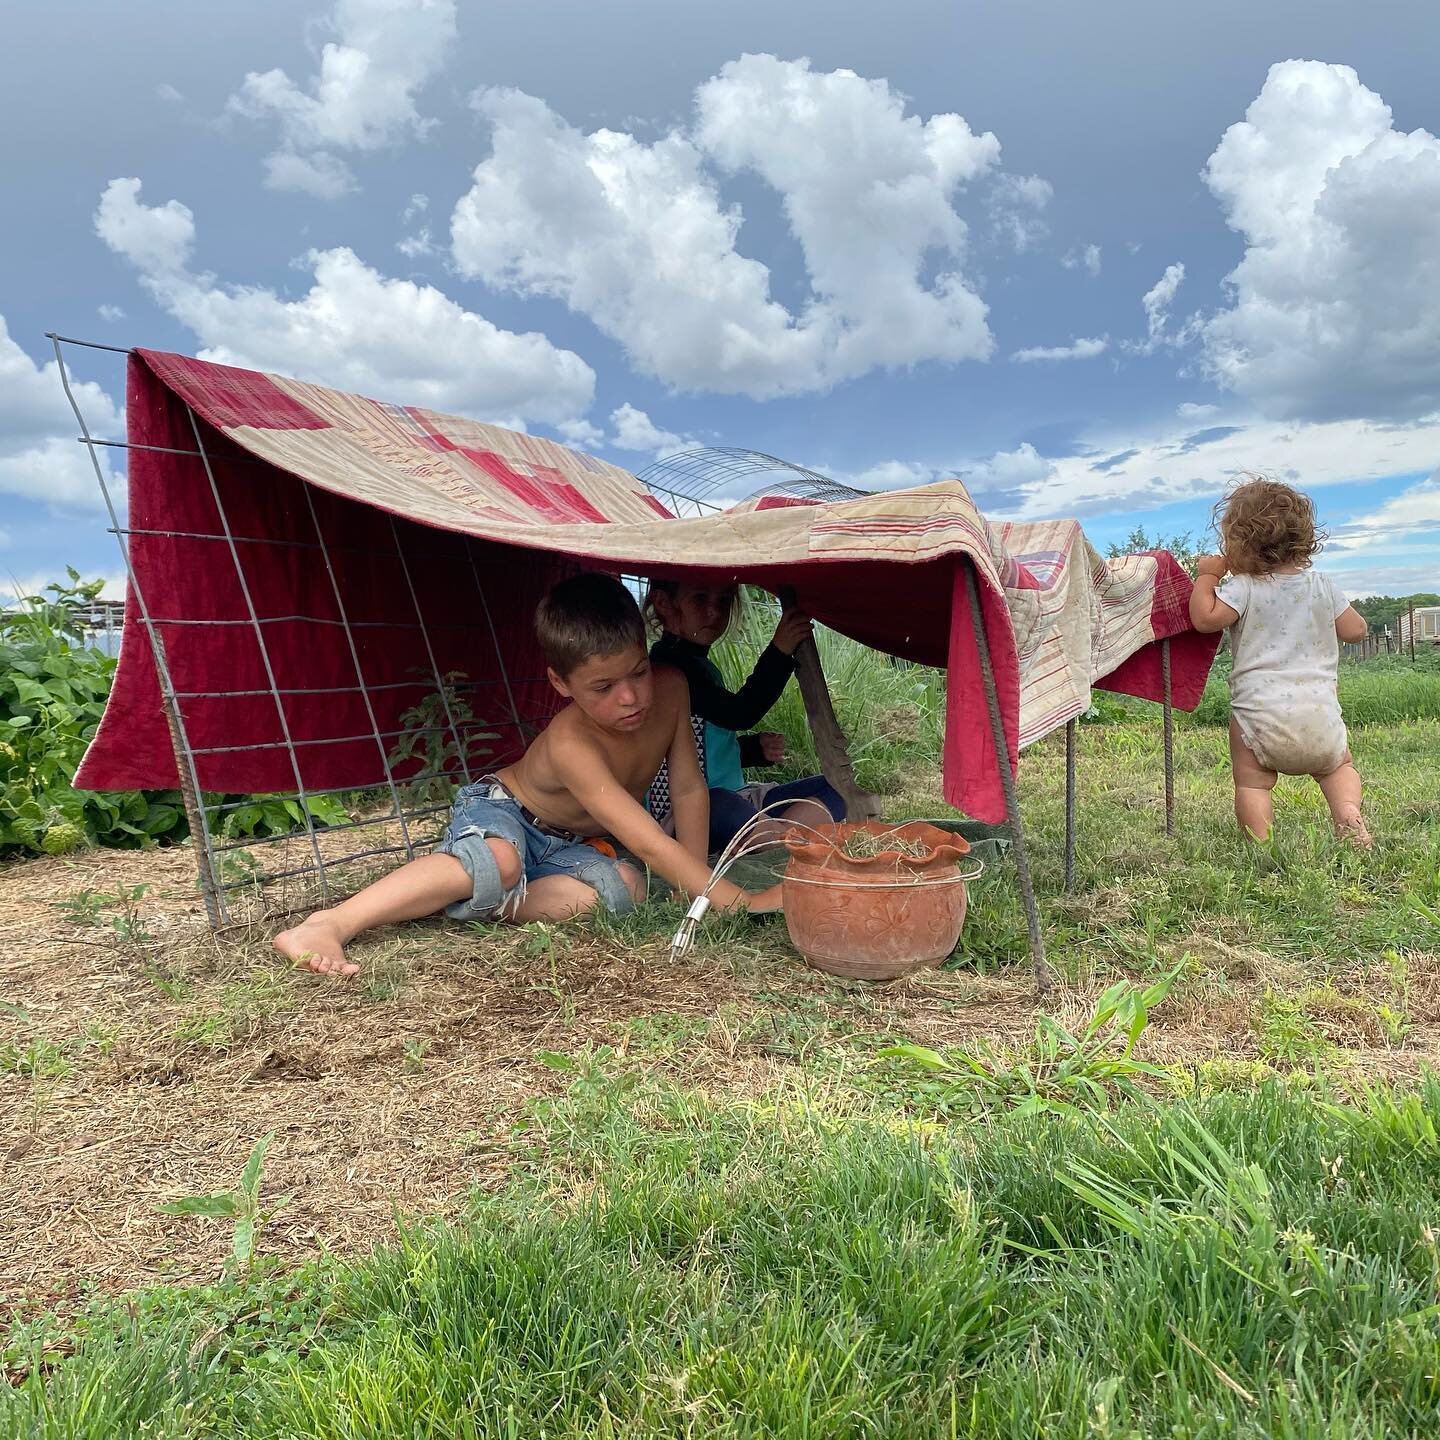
[[516, 848]]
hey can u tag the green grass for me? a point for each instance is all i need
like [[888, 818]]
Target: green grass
[[813, 1265], [1386, 690], [894, 714], [864, 1246]]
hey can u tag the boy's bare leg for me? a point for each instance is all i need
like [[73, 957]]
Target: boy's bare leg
[[423, 887], [1254, 806], [558, 897], [1341, 789]]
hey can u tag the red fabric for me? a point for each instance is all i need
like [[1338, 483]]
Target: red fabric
[[191, 579], [972, 769], [1191, 653], [202, 618]]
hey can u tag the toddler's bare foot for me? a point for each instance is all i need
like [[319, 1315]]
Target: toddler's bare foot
[[1355, 833], [316, 944]]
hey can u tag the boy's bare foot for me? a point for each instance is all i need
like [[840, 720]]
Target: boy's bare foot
[[1356, 833], [316, 943]]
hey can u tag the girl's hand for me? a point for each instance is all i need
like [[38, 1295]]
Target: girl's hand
[[772, 747], [792, 631], [1215, 565]]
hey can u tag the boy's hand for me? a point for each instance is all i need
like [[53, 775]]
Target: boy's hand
[[765, 902], [792, 631], [1215, 565], [772, 747]]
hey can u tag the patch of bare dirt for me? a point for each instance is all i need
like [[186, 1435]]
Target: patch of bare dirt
[[140, 1065]]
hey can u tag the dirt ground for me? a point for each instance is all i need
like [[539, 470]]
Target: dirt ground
[[143, 1057], [143, 1069]]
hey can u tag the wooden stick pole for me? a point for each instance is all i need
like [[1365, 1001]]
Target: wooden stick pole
[[830, 743]]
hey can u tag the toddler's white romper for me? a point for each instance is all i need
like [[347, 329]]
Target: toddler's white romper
[[1282, 684]]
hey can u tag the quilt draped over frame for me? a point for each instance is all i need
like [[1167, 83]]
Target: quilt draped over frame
[[377, 547]]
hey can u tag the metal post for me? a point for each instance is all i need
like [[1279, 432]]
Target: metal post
[[1071, 727], [359, 673], [189, 782], [264, 655], [210, 888], [1169, 738], [1043, 980], [430, 651], [495, 638]]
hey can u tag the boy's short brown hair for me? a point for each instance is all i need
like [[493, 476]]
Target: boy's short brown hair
[[1265, 526], [585, 616]]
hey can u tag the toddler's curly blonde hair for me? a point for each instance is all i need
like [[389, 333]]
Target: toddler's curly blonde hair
[[1265, 526]]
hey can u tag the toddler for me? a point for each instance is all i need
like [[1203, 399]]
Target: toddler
[[1285, 621]]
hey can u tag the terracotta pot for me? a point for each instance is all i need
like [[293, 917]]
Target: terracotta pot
[[876, 918]]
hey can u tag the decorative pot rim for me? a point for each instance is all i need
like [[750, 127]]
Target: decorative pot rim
[[824, 853]]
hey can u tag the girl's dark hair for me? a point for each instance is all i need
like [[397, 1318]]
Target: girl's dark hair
[[585, 616], [1265, 526]]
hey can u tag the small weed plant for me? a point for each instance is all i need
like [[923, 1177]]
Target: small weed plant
[[1060, 1072], [440, 737], [242, 1205]]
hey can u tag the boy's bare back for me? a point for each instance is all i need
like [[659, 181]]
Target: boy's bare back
[[571, 741]]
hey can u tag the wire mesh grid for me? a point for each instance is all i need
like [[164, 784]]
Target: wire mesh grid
[[315, 842]]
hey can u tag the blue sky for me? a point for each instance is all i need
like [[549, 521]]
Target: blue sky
[[1095, 260]]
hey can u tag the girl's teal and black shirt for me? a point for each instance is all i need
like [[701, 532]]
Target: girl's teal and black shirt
[[726, 712]]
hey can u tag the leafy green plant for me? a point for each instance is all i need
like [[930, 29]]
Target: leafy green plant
[[83, 907], [261, 815], [242, 1205], [53, 688], [433, 747], [1060, 1072]]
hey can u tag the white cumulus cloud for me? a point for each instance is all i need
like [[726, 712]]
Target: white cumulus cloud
[[581, 433], [1008, 475], [362, 98], [1083, 349], [355, 328], [1336, 301], [39, 457], [1137, 470], [635, 235], [634, 430]]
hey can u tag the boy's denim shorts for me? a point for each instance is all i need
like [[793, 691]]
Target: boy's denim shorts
[[486, 810]]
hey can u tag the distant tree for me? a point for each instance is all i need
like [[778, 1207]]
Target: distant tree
[[1383, 612], [1181, 546]]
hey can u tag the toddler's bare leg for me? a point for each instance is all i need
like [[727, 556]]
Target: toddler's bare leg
[[1254, 807], [1341, 789], [423, 887], [558, 897]]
